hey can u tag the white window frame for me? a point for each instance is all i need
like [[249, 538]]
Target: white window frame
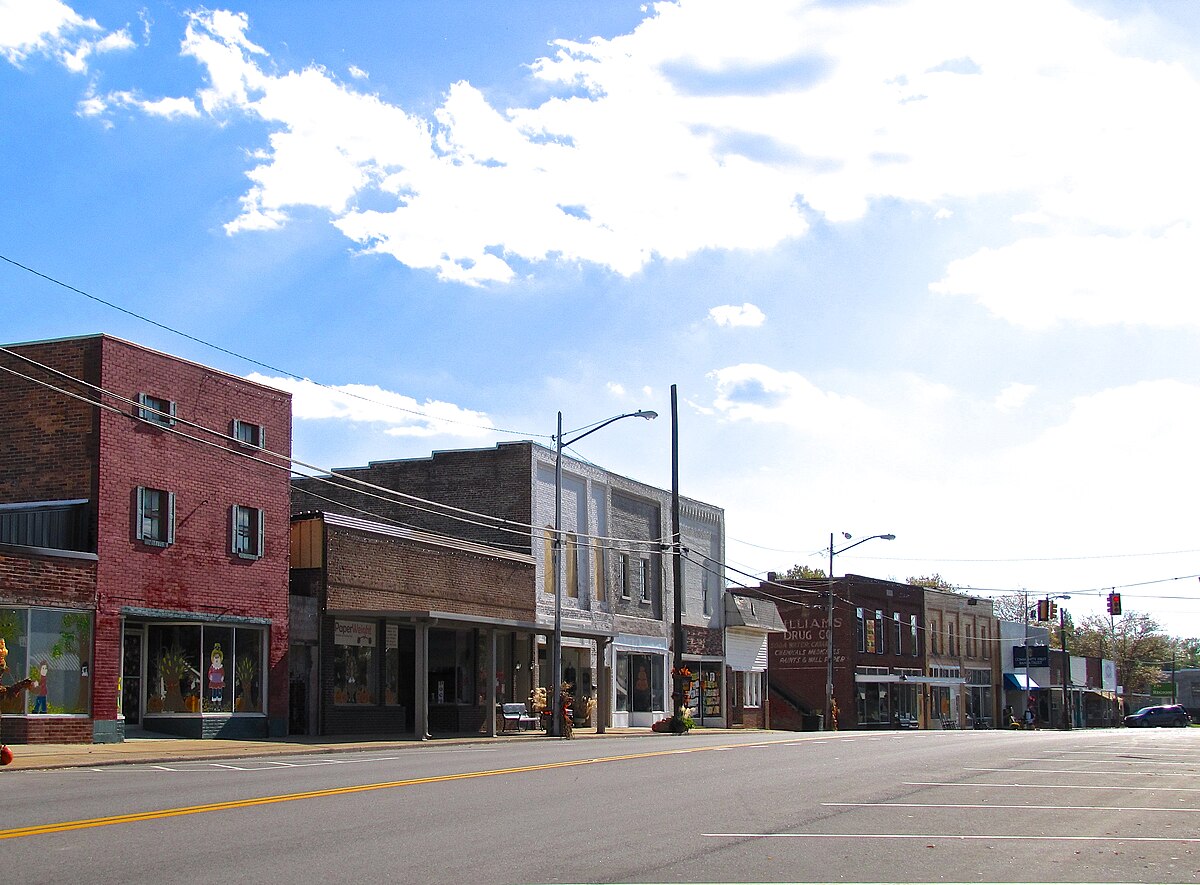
[[249, 434], [156, 410], [752, 689], [254, 531], [165, 536]]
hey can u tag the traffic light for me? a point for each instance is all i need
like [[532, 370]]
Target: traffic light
[[1043, 609], [1114, 603], [1053, 610]]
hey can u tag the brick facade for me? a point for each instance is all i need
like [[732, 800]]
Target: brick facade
[[58, 448]]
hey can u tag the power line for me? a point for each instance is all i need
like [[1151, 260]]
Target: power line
[[259, 363]]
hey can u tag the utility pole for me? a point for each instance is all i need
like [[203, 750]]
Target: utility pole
[[676, 551], [1066, 665]]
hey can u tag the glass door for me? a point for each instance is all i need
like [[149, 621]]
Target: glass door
[[131, 678]]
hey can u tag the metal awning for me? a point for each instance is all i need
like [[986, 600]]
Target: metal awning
[[1020, 682]]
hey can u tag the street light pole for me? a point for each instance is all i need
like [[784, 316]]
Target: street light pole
[[829, 620], [556, 728]]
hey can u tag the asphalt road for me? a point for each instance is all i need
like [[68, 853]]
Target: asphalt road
[[975, 806]]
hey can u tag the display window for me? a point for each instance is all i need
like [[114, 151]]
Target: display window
[[354, 678], [640, 682], [53, 647], [203, 668]]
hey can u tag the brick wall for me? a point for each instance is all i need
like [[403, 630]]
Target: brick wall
[[372, 573], [492, 481], [48, 440], [49, 580]]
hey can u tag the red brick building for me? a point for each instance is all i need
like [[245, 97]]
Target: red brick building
[[143, 543]]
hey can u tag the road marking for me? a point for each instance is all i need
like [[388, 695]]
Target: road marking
[[1054, 787], [1109, 761], [138, 817], [991, 837], [1082, 771], [991, 806]]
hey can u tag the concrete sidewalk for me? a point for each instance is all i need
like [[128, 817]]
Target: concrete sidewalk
[[150, 748]]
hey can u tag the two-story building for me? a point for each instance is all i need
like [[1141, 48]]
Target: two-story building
[[143, 544], [963, 638]]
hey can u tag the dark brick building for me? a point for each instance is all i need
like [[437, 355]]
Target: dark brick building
[[617, 601], [400, 631], [143, 543], [878, 652]]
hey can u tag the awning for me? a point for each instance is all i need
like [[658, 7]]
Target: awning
[[1020, 682]]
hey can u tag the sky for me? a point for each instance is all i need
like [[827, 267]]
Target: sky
[[918, 267]]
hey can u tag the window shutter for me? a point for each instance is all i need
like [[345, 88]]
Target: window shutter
[[170, 516], [233, 529], [139, 520], [261, 534], [262, 436]]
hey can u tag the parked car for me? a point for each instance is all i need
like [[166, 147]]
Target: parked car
[[1167, 714]]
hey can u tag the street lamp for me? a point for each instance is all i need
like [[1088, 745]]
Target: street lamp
[[556, 646], [829, 620]]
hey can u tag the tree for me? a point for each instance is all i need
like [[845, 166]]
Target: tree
[[804, 573], [1012, 607], [1187, 652], [1135, 641], [932, 582]]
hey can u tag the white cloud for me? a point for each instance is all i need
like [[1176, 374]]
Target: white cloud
[[51, 28], [358, 73], [1014, 396], [615, 389], [709, 127], [1135, 279], [399, 415], [732, 315], [762, 395]]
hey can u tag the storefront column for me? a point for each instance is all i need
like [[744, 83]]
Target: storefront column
[[604, 674], [490, 713], [422, 706]]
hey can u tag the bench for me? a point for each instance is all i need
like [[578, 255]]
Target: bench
[[517, 716]]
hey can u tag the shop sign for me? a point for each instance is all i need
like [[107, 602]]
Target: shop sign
[[354, 633], [1039, 656], [804, 646]]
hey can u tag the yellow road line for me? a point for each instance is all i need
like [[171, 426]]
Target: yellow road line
[[68, 826]]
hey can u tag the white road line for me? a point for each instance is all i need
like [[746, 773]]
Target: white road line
[[991, 806], [974, 837], [1108, 761], [1052, 787], [1089, 773]]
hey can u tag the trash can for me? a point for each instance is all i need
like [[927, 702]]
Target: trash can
[[813, 722]]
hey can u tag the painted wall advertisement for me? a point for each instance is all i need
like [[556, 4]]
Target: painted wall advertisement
[[805, 644]]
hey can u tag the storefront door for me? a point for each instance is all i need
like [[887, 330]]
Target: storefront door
[[131, 678]]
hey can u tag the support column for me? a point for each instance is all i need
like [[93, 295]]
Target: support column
[[422, 706], [491, 692]]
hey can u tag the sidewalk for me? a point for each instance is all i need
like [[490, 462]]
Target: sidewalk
[[151, 748]]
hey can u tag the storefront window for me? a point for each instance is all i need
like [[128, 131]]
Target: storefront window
[[218, 668], [643, 674], [246, 677], [452, 667], [710, 685], [354, 662], [175, 678], [53, 647], [399, 650]]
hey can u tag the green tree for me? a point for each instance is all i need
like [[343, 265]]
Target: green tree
[[932, 582], [1187, 652], [804, 573], [1135, 642]]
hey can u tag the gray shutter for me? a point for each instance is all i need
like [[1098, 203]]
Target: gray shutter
[[170, 517], [261, 532], [141, 513]]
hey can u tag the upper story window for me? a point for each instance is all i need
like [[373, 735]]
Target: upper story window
[[249, 434], [156, 410], [247, 532], [623, 575], [155, 522], [572, 565], [912, 632], [646, 586]]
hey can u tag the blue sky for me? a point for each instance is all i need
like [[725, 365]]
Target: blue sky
[[926, 268]]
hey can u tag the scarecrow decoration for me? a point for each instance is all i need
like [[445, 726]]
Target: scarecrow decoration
[[16, 688]]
